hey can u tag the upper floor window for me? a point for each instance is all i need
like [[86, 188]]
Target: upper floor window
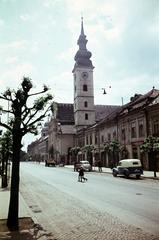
[[114, 134], [109, 137], [90, 139], [96, 139], [86, 116], [85, 88], [123, 134], [86, 104], [102, 139], [156, 126], [133, 130], [141, 128]]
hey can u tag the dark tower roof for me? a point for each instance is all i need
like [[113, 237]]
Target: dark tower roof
[[82, 57]]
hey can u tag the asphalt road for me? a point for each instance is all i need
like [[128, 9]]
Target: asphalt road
[[104, 207]]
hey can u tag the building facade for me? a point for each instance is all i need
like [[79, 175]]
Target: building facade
[[109, 132]]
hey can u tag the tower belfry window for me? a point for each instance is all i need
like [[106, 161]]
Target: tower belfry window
[[86, 104], [85, 89], [86, 116]]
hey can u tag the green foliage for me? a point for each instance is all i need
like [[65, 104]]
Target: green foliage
[[7, 93], [107, 147], [151, 144], [75, 150], [26, 84], [88, 148], [6, 143], [41, 103], [113, 146]]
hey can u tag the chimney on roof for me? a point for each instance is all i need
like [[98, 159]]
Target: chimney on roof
[[136, 96]]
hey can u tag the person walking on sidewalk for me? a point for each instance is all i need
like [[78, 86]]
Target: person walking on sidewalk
[[100, 166], [81, 175]]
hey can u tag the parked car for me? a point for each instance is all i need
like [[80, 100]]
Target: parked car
[[50, 162], [128, 167], [84, 164]]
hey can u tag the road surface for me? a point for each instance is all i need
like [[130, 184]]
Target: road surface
[[102, 208]]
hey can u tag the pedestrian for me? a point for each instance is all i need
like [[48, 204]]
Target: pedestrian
[[99, 166], [81, 175], [75, 166]]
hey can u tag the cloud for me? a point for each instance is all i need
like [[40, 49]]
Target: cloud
[[61, 86], [2, 23], [11, 60], [13, 76], [22, 44], [70, 52], [50, 3], [25, 17]]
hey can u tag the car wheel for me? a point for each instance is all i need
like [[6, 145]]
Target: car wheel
[[126, 174], [114, 174], [138, 176]]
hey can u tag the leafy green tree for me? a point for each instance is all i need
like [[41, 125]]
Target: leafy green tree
[[26, 115], [88, 149], [74, 152], [5, 150], [151, 146], [107, 147], [113, 147]]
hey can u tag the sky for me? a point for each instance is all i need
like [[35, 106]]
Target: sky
[[38, 39]]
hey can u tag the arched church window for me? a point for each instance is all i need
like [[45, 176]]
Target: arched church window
[[85, 88]]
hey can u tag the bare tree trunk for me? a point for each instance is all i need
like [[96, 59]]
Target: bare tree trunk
[[155, 166], [12, 221]]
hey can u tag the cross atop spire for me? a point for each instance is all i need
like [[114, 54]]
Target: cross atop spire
[[82, 29]]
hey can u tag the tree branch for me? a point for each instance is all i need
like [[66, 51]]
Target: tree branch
[[6, 126], [35, 94]]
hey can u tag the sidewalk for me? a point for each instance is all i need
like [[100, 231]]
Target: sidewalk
[[4, 204], [28, 227], [147, 174]]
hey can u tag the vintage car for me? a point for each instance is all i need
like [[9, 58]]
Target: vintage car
[[50, 162], [128, 167], [84, 164]]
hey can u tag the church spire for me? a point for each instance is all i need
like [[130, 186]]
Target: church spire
[[82, 41], [82, 57], [82, 29]]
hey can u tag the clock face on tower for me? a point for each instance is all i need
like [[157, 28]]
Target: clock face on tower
[[84, 75]]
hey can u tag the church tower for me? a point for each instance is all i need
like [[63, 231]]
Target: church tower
[[84, 112]]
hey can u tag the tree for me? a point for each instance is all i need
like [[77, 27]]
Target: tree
[[114, 148], [74, 152], [88, 149], [25, 119], [5, 151], [151, 146]]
